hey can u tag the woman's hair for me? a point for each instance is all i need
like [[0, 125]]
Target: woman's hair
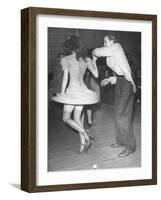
[[74, 44], [111, 37], [81, 53]]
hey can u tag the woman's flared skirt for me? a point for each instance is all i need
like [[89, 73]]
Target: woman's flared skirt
[[77, 96]]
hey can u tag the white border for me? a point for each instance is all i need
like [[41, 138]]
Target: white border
[[43, 177]]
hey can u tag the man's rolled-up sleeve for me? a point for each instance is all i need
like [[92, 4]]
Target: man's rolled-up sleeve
[[103, 52]]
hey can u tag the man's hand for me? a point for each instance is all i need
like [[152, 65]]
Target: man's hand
[[105, 82]]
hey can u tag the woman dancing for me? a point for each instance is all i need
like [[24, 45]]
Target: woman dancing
[[76, 95]]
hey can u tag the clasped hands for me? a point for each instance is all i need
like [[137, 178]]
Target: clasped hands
[[105, 82]]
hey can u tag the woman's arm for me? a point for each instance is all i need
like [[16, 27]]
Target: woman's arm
[[65, 81], [92, 66]]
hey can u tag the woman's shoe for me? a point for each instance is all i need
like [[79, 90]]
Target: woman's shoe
[[82, 148], [88, 145], [90, 125]]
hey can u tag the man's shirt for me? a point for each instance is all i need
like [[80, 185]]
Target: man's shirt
[[116, 60]]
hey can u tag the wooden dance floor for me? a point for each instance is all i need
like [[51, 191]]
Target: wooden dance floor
[[63, 144]]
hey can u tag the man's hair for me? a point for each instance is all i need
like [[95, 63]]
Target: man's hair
[[111, 37]]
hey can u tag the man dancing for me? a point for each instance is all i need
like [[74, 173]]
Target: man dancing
[[124, 92]]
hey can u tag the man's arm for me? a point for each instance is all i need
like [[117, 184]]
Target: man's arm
[[106, 51], [102, 52]]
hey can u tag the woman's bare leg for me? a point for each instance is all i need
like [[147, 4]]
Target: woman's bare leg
[[67, 118], [83, 116], [89, 116], [76, 126], [78, 120]]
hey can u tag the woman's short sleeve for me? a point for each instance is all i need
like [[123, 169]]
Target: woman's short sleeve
[[64, 64]]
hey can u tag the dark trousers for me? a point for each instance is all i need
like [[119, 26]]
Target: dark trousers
[[123, 113]]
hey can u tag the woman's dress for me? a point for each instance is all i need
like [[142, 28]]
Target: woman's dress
[[77, 92]]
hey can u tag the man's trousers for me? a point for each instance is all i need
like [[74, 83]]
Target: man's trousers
[[123, 113]]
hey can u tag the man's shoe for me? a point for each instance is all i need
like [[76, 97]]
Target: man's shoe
[[115, 145], [125, 153]]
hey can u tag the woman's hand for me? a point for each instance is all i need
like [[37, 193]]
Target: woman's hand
[[105, 82], [94, 58], [94, 53]]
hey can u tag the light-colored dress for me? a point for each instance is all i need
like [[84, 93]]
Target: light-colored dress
[[77, 92], [92, 84]]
